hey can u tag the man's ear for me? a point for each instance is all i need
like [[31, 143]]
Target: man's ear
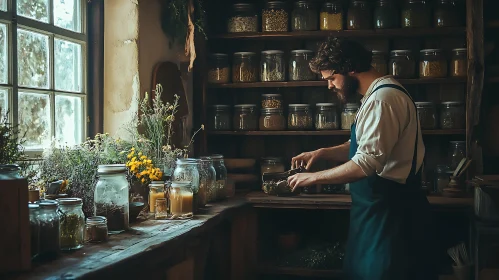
[[351, 73]]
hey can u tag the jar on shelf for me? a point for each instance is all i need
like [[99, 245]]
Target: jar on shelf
[[304, 16], [96, 229], [272, 66], [182, 202], [379, 62], [432, 64], [161, 209], [427, 115], [457, 151], [452, 115], [243, 18], [72, 225], [359, 15], [221, 175], [402, 64], [272, 101], [385, 15], [459, 63], [299, 117], [111, 196], [208, 178], [275, 17], [446, 14], [218, 71], [271, 165], [220, 118], [156, 190], [244, 67], [326, 116], [348, 115], [442, 178], [272, 119], [49, 229], [331, 16], [416, 13], [34, 229], [299, 69], [245, 117], [187, 170]]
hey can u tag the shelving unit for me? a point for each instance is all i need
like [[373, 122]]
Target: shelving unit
[[323, 133]]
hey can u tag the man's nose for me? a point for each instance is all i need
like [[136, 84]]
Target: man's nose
[[330, 85]]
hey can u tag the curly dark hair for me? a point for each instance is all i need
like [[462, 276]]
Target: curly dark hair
[[341, 56]]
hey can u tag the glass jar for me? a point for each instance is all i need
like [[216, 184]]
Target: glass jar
[[244, 67], [326, 117], [49, 228], [96, 229], [72, 226], [402, 64], [271, 100], [187, 170], [156, 190], [446, 14], [416, 13], [385, 15], [348, 115], [275, 17], [379, 62], [208, 176], [457, 151], [161, 209], [181, 199], [272, 119], [221, 175], [432, 64], [245, 117], [218, 71], [459, 63], [271, 165], [299, 117], [299, 69], [359, 15], [111, 196], [220, 117], [442, 178], [427, 115], [331, 17], [243, 18], [34, 229], [272, 66], [453, 115], [304, 16]]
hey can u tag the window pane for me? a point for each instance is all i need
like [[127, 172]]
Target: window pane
[[34, 119], [34, 9], [4, 57], [68, 66], [33, 59], [68, 119], [67, 14], [4, 101], [3, 5]]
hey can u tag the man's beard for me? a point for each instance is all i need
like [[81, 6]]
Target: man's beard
[[349, 88]]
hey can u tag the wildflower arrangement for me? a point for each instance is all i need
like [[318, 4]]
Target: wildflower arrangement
[[142, 167]]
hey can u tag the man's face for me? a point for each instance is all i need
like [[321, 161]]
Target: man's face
[[345, 86]]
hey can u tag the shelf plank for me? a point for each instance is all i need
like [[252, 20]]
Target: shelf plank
[[298, 271], [324, 132]]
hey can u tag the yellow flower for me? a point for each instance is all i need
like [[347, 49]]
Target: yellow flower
[[143, 180]]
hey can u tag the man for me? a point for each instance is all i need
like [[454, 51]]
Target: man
[[390, 237]]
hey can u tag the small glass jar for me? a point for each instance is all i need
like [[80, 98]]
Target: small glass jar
[[416, 13], [49, 228], [156, 190], [72, 226], [161, 209], [457, 151], [348, 115], [245, 117], [271, 165], [304, 16], [427, 115], [299, 69], [275, 17], [272, 66], [243, 18], [326, 117], [331, 16], [446, 14], [181, 199], [272, 119], [187, 170], [271, 100], [299, 117], [244, 67], [221, 175], [96, 229], [432, 64], [402, 64], [220, 117], [208, 178], [452, 115], [385, 15], [34, 229], [218, 71], [442, 178], [379, 62], [359, 15], [459, 63]]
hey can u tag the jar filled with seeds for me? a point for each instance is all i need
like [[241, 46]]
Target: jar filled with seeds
[[220, 118], [34, 229], [385, 14], [402, 64], [218, 72], [299, 117], [72, 226], [459, 63], [457, 151], [220, 175], [245, 117], [446, 14], [331, 16], [416, 13], [432, 64], [304, 16], [299, 69], [272, 119], [326, 116], [379, 62], [348, 115], [244, 67], [427, 115], [271, 165], [272, 66], [243, 18], [272, 101], [49, 229], [359, 15], [275, 17], [453, 115]]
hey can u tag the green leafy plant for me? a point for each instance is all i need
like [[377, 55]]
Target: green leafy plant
[[11, 148]]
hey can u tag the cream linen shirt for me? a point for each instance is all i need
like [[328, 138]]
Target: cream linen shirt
[[386, 132]]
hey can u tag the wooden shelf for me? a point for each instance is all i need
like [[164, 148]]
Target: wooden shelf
[[326, 132], [297, 271]]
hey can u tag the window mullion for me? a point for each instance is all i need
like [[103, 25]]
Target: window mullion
[[13, 64], [51, 12], [52, 81]]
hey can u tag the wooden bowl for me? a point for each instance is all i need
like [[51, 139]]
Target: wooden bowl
[[239, 163]]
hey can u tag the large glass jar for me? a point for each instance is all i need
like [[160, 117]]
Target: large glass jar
[[243, 18], [457, 151], [96, 229], [271, 165], [446, 14], [272, 66], [245, 117], [459, 63], [156, 190], [379, 62], [221, 175], [441, 178], [220, 117], [304, 16], [432, 64], [299, 117], [299, 69], [111, 196], [49, 229], [453, 115], [402, 64], [182, 202], [187, 170], [416, 13], [348, 115], [208, 178], [359, 15], [275, 17], [272, 119], [218, 71], [331, 16], [34, 229], [427, 115], [272, 100], [326, 116], [72, 226], [385, 14], [244, 67]]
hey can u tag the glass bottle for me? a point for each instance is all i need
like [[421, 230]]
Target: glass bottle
[[218, 71], [416, 13], [331, 16], [402, 64], [299, 69], [432, 64], [72, 225], [304, 16], [34, 229], [49, 228], [326, 117], [221, 175], [442, 178], [243, 18], [156, 190], [299, 117], [379, 62], [96, 229], [457, 153], [272, 119], [272, 66], [275, 17], [187, 170], [245, 117], [452, 115], [272, 100], [427, 115], [181, 199], [446, 14], [385, 15], [208, 178], [244, 67], [459, 63], [220, 118], [348, 115], [359, 15]]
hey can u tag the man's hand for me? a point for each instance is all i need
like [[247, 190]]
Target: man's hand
[[301, 180], [305, 159]]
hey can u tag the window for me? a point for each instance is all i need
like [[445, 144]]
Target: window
[[43, 69]]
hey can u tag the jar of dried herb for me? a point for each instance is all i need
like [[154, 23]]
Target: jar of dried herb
[[427, 115], [244, 67], [245, 117], [221, 175], [326, 117], [243, 18], [446, 14], [452, 115], [299, 117], [331, 16], [385, 14], [34, 229], [459, 63], [219, 117], [72, 226], [348, 115], [379, 62], [49, 229], [402, 64], [359, 15], [272, 119], [96, 229], [432, 64], [275, 17], [218, 72], [271, 100], [416, 13], [299, 69], [271, 165], [208, 178], [304, 16], [272, 66]]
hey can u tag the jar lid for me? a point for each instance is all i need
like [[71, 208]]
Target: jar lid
[[192, 161], [424, 104], [179, 184], [452, 103], [458, 142], [217, 156], [69, 201], [302, 52], [111, 168], [352, 105], [9, 167], [46, 203], [206, 158], [359, 2], [325, 104], [32, 206], [244, 54], [220, 106], [299, 105], [271, 160], [272, 110], [431, 51], [377, 52], [272, 51], [400, 52], [271, 95], [330, 4], [245, 106], [55, 196], [242, 6], [219, 55], [157, 183], [417, 1], [460, 50], [96, 220]]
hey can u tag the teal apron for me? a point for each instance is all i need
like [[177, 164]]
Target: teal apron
[[390, 234]]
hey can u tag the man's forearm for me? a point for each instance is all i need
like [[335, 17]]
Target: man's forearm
[[336, 153], [345, 173]]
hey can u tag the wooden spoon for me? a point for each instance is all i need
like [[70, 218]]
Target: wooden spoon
[[461, 163], [461, 172]]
